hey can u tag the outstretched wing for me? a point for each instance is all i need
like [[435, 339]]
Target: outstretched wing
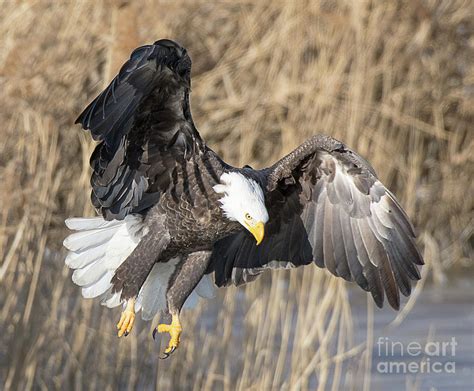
[[326, 205], [144, 125]]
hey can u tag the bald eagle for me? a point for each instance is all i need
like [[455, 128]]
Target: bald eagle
[[173, 213]]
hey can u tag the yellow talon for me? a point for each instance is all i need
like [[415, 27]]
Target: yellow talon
[[127, 319], [174, 330]]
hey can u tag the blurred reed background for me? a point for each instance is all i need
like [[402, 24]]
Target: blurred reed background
[[393, 80]]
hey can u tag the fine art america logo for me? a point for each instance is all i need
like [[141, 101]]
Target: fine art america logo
[[415, 357]]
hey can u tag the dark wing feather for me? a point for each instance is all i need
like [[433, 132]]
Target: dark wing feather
[[143, 123], [326, 205]]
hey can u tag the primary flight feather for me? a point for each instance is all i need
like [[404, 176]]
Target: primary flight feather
[[173, 212]]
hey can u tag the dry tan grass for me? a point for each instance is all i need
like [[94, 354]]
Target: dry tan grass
[[392, 80]]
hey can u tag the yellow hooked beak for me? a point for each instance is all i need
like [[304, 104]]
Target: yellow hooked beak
[[258, 231]]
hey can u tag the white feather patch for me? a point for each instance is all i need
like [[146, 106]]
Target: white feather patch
[[80, 260], [97, 249], [98, 287], [88, 223]]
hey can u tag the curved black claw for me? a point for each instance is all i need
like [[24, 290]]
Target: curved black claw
[[126, 334], [167, 354], [155, 330]]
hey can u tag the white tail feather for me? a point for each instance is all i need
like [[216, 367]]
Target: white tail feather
[[80, 260], [86, 239], [99, 287], [97, 249], [88, 223], [89, 274]]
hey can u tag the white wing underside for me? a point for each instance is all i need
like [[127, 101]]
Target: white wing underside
[[98, 248]]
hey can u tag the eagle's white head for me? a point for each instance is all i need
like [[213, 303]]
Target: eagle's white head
[[243, 201]]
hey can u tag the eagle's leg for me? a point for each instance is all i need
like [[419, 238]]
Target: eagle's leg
[[132, 273], [182, 283], [127, 319]]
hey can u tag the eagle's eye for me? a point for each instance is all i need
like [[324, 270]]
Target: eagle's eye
[[247, 216]]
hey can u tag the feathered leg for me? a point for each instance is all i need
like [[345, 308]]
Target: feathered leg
[[182, 283], [131, 275]]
